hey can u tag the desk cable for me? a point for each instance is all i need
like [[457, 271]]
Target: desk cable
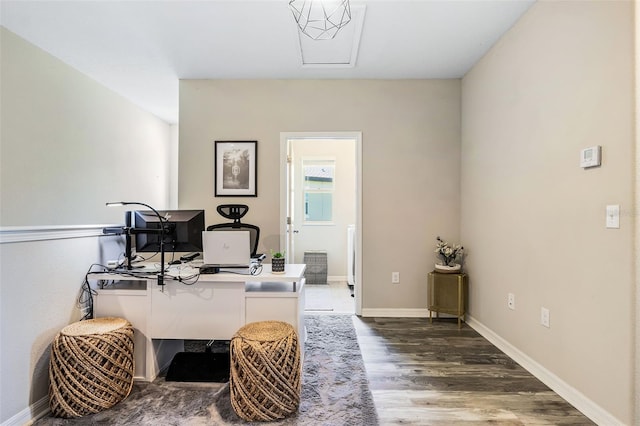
[[254, 269], [85, 298]]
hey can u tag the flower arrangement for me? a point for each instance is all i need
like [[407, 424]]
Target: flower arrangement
[[448, 253]]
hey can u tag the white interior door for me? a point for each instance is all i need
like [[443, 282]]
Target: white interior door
[[290, 219]]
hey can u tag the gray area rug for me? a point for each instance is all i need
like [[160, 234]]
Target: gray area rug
[[335, 390]]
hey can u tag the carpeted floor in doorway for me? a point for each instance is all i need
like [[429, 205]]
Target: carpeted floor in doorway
[[335, 390]]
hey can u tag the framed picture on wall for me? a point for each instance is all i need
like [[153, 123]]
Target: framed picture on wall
[[236, 169]]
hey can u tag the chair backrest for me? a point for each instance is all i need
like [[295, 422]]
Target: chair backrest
[[235, 212]]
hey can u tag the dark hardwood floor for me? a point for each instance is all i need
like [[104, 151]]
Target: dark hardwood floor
[[434, 374]]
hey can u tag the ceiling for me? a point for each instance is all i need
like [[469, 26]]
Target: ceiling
[[141, 49]]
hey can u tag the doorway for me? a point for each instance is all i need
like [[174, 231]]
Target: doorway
[[320, 208]]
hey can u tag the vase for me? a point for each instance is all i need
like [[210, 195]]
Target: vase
[[277, 265], [448, 269]]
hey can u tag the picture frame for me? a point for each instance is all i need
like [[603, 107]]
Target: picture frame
[[236, 169]]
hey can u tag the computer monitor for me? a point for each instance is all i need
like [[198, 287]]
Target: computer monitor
[[130, 241], [183, 230]]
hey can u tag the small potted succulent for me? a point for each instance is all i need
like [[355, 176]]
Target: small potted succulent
[[277, 262], [448, 254]]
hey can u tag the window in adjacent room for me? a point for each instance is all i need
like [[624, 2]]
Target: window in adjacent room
[[318, 188]]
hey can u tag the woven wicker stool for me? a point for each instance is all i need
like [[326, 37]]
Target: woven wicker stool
[[265, 371], [91, 366]]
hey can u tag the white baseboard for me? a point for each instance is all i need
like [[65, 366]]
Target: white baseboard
[[401, 313], [396, 313], [574, 397], [38, 409]]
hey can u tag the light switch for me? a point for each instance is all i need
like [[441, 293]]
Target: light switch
[[613, 216], [590, 157]]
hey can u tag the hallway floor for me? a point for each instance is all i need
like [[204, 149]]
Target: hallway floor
[[332, 298]]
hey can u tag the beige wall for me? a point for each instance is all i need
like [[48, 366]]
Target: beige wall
[[636, 216], [68, 144], [410, 156], [533, 221]]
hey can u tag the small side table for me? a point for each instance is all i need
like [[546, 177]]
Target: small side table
[[91, 366], [447, 294], [266, 372]]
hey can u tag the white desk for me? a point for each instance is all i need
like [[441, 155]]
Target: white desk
[[213, 308]]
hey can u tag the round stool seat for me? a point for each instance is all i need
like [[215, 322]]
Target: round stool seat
[[91, 366], [265, 371]]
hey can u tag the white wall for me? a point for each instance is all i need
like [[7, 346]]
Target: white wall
[[40, 285], [174, 151], [67, 146], [410, 162], [331, 237], [533, 221]]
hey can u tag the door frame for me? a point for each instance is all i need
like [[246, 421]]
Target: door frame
[[357, 136]]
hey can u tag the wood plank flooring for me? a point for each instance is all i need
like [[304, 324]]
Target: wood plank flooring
[[434, 374]]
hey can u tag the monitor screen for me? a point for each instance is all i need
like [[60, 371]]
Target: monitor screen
[[183, 230]]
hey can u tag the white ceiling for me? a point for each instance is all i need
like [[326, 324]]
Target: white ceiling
[[141, 49]]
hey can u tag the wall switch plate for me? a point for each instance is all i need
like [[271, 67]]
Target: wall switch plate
[[395, 277], [511, 301], [613, 216], [590, 157], [545, 317]]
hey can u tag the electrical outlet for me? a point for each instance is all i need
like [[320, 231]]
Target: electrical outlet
[[511, 301], [544, 317], [395, 277]]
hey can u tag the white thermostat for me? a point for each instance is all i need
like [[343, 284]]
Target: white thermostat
[[590, 157]]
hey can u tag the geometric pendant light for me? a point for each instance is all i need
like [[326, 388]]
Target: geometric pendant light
[[320, 19]]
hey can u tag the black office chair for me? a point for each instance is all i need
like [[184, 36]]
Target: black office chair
[[235, 212]]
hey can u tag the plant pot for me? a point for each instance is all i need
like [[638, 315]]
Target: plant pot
[[448, 269], [277, 265]]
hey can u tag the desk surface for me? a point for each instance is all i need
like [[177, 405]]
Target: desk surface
[[292, 273]]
